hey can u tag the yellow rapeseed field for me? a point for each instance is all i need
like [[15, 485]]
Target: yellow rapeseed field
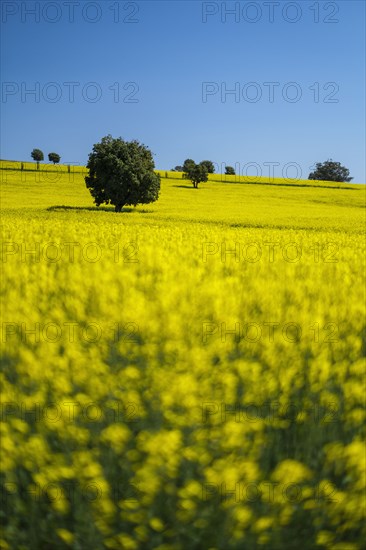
[[188, 374]]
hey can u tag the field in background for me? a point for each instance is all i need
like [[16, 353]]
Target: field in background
[[62, 168], [185, 374], [43, 167], [253, 204]]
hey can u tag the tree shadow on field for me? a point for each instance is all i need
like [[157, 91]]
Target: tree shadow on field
[[185, 186], [95, 209], [79, 208]]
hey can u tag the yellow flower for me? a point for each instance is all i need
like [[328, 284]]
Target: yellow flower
[[65, 535], [156, 524], [116, 435], [291, 471], [262, 524]]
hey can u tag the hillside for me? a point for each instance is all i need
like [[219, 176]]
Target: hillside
[[327, 205]]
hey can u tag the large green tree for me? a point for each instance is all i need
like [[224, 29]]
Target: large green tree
[[122, 173], [330, 171]]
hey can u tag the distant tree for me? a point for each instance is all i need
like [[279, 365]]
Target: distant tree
[[330, 171], [179, 169], [37, 155], [54, 157], [209, 165], [188, 163], [229, 171], [196, 173], [121, 173]]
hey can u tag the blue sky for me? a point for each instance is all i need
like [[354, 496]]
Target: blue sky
[[161, 72]]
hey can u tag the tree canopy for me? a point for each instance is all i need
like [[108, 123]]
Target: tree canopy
[[229, 171], [37, 155], [196, 173], [330, 171], [209, 165], [187, 165], [54, 157], [122, 173]]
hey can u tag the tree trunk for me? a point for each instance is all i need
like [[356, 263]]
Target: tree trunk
[[118, 207]]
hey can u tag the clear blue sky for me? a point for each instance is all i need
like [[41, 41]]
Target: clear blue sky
[[159, 72]]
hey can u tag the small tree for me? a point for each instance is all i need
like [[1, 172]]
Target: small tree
[[122, 173], [209, 165], [196, 173], [229, 171], [37, 155], [330, 171], [54, 157], [179, 168], [187, 165]]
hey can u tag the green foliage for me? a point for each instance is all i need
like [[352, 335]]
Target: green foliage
[[229, 171], [209, 165], [54, 157], [187, 165], [37, 155], [330, 171], [122, 173], [196, 173]]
